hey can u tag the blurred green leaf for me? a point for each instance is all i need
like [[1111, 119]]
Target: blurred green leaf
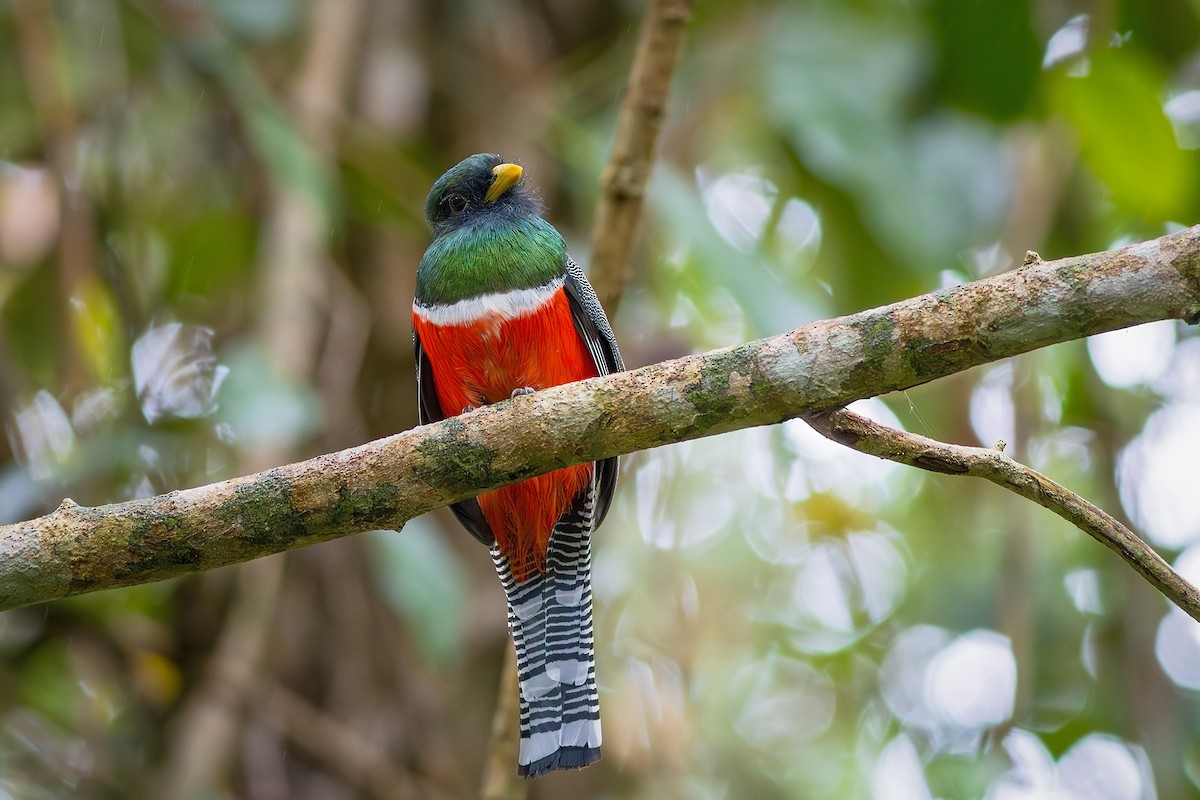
[[47, 670], [1116, 113], [838, 83], [421, 579], [277, 137], [258, 20], [287, 155], [989, 54], [1168, 26], [209, 251], [263, 408], [25, 313]]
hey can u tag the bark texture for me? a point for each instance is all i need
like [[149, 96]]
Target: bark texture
[[382, 484]]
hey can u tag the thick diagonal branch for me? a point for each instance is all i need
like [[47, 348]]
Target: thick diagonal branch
[[867, 436], [382, 484]]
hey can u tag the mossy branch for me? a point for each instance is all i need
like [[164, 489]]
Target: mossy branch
[[382, 484]]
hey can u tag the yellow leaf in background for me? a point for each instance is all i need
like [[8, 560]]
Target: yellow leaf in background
[[156, 677], [96, 329], [835, 514]]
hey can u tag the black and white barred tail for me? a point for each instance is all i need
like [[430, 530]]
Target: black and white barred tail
[[550, 617]]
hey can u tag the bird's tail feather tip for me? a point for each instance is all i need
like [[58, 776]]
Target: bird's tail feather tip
[[562, 758]]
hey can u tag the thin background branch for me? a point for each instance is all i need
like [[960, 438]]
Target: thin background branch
[[633, 154], [866, 436]]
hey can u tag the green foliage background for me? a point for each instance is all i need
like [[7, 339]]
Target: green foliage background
[[775, 618]]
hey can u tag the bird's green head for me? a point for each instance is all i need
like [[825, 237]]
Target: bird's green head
[[479, 184], [488, 234]]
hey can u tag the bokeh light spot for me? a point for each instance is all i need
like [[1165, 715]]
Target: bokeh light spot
[[1156, 476], [1134, 355]]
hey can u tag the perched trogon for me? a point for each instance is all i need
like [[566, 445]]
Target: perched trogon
[[501, 310]]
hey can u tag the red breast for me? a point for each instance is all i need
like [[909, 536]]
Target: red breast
[[482, 361]]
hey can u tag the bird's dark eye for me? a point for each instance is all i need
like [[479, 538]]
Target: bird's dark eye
[[455, 203]]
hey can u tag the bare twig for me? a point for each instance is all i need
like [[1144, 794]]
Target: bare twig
[[628, 170], [867, 436], [381, 484]]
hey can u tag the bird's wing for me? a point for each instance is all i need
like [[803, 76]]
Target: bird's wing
[[429, 409], [591, 322], [592, 325]]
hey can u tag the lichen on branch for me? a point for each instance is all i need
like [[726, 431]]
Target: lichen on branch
[[381, 484]]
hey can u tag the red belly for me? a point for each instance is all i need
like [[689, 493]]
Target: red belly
[[483, 362]]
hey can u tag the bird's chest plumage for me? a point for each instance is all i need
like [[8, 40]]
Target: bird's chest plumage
[[485, 348]]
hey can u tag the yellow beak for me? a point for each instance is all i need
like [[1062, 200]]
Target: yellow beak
[[507, 176]]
